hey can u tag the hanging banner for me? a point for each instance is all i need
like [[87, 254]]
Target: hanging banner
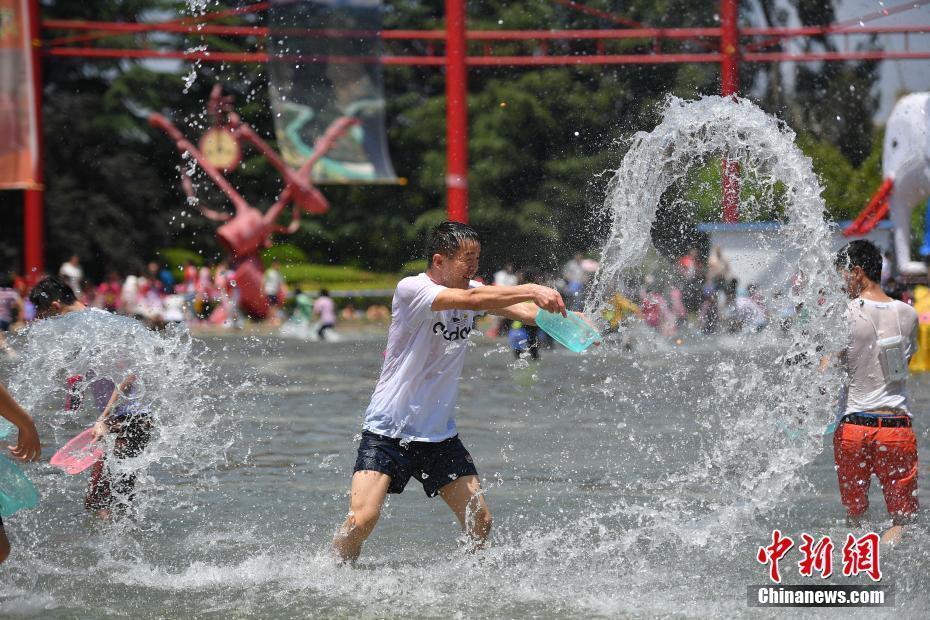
[[18, 122], [324, 69]]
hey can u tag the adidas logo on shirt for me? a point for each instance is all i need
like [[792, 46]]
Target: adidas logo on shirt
[[457, 331]]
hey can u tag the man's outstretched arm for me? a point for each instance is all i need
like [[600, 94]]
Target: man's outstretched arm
[[496, 298], [523, 312]]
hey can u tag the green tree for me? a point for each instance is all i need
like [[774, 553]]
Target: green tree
[[539, 139]]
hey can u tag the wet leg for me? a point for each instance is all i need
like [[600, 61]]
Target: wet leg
[[466, 499], [369, 488]]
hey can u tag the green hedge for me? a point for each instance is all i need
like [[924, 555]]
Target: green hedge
[[174, 259], [308, 275], [414, 267], [287, 253]]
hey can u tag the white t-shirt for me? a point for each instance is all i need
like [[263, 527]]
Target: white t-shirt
[[869, 321], [72, 274], [505, 278], [272, 282], [416, 393]]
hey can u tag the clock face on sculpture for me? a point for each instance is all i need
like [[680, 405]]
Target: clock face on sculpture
[[220, 148]]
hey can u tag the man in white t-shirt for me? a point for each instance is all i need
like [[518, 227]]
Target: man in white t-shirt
[[875, 435], [506, 276], [409, 427], [71, 272], [273, 282]]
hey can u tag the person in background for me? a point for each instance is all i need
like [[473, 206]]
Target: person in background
[[325, 309], [349, 313], [152, 277], [189, 279], [88, 294], [188, 292], [506, 276], [22, 287], [72, 273], [709, 313], [273, 285], [574, 275], [718, 267], [887, 262], [129, 295], [689, 265], [27, 447], [11, 310], [166, 278], [524, 337], [203, 300], [110, 488], [731, 318], [110, 293]]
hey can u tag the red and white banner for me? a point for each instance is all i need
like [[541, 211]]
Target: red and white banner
[[18, 122]]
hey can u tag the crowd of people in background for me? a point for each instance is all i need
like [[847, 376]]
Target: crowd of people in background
[[154, 295], [197, 295], [695, 294], [703, 296]]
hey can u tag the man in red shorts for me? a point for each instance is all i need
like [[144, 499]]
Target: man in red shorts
[[875, 435]]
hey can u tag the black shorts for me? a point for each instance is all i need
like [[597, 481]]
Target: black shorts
[[434, 464], [133, 433]]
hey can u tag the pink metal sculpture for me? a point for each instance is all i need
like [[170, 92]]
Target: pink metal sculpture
[[246, 231]]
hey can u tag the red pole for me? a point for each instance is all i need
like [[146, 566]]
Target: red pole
[[456, 112], [729, 85], [729, 41], [33, 200]]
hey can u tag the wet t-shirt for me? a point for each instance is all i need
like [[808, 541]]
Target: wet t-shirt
[[416, 393], [869, 321]]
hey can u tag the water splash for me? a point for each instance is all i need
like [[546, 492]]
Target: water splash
[[775, 384], [97, 350]]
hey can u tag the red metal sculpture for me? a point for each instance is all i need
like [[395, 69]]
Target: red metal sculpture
[[246, 231]]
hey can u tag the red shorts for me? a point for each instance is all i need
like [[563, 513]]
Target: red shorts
[[888, 452]]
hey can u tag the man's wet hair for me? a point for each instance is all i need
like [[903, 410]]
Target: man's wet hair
[[861, 253], [447, 238], [50, 290]]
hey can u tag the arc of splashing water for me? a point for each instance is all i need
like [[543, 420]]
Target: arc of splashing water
[[690, 131]]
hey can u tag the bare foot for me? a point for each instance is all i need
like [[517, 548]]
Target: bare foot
[[893, 535]]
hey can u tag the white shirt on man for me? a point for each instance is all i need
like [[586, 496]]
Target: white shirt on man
[[416, 394], [72, 274], [272, 281], [505, 277], [869, 321]]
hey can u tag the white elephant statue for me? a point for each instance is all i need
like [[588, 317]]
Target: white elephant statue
[[906, 163]]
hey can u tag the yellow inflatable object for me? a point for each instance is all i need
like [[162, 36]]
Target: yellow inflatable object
[[921, 360], [620, 308]]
